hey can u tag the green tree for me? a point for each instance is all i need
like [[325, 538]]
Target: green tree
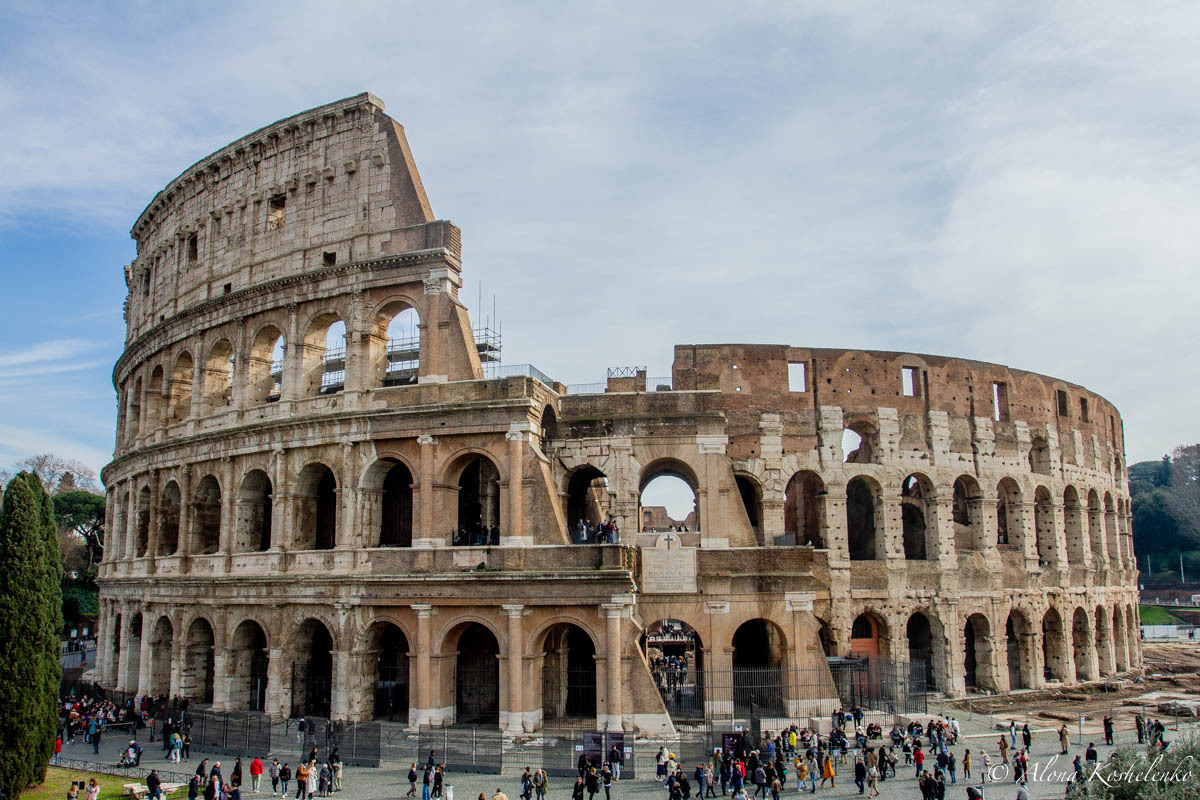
[[30, 624], [82, 513]]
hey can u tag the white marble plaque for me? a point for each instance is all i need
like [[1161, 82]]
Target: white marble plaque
[[668, 570]]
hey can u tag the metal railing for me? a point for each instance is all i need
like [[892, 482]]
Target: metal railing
[[104, 768], [493, 371]]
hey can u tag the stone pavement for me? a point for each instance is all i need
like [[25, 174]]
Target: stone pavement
[[389, 782]]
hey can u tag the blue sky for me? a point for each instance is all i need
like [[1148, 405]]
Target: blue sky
[[1013, 182]]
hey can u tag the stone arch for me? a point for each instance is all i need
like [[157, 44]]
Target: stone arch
[[1008, 513], [750, 491], [154, 398], [1105, 651], [1120, 642], [1054, 646], [162, 635], [674, 650], [196, 675], [206, 516], [1095, 525], [1043, 523], [804, 509], [394, 345], [869, 636], [264, 365], [134, 417], [1020, 637], [967, 514], [387, 648], [1111, 534], [1073, 526], [255, 512], [918, 513], [388, 485], [119, 542], [927, 648], [1083, 645], [864, 519], [669, 468], [476, 650], [860, 442], [316, 508], [179, 398], [759, 663], [587, 499], [477, 477], [247, 666], [323, 361], [313, 646], [169, 502], [567, 652], [548, 428], [979, 653], [217, 391], [143, 523]]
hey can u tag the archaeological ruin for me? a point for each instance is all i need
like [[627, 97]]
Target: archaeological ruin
[[330, 497]]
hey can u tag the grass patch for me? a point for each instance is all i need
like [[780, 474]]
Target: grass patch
[[1157, 615], [58, 781]]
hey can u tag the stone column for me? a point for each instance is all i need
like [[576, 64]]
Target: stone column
[[155, 500], [185, 510], [511, 720], [103, 634], [198, 375], [422, 710], [293, 358], [425, 536], [178, 654], [431, 369], [279, 501], [145, 682], [709, 511], [129, 652], [228, 509], [983, 511], [942, 548], [343, 682], [277, 697], [513, 533], [349, 535], [613, 667], [220, 664], [129, 550]]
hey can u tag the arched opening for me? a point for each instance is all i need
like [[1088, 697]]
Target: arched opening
[[119, 542], [675, 653], [860, 443], [160, 657], [804, 509], [1019, 634], [1082, 645], [1073, 524], [396, 506], [168, 519], [154, 400], [667, 498], [264, 366], [388, 649], [1104, 643], [587, 502], [476, 676], [196, 671], [399, 360], [478, 501], [825, 637], [114, 648], [926, 650], [317, 507], [1054, 646], [254, 510], [568, 674], [1120, 644], [206, 517], [1039, 456], [134, 418], [1096, 528], [758, 663], [1110, 532], [1043, 523], [179, 399], [917, 512], [323, 360], [218, 377], [867, 634], [143, 522], [548, 429], [248, 661], [751, 494], [313, 674], [863, 519], [1008, 512], [978, 653], [966, 514]]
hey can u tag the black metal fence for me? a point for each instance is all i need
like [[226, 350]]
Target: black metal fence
[[231, 733], [105, 768]]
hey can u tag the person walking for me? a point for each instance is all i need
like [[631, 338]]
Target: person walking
[[1064, 739], [1108, 730], [541, 782], [827, 772], [256, 771], [1027, 736], [1140, 724], [302, 772], [1003, 750], [951, 767], [860, 775], [412, 780]]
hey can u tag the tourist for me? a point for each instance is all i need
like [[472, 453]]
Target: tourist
[[302, 772], [1022, 792], [273, 773], [918, 761], [236, 775], [1012, 732], [412, 780], [827, 772], [660, 768], [541, 782], [1004, 750], [499, 795], [1027, 736], [1091, 756], [1140, 724], [860, 775], [615, 756], [1064, 739], [256, 771], [313, 776], [285, 775], [93, 790], [606, 780], [951, 766], [426, 782], [986, 761], [1108, 730], [576, 790], [335, 764]]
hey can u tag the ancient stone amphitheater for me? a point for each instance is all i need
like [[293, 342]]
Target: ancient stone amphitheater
[[328, 497]]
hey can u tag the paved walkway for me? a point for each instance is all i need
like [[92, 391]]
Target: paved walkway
[[389, 782]]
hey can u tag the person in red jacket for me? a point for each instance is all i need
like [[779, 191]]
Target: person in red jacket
[[256, 770], [918, 759]]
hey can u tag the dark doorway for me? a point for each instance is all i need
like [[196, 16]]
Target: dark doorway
[[391, 674], [477, 677], [758, 647], [396, 526], [568, 675]]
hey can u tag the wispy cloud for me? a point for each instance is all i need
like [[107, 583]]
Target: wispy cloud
[[46, 351]]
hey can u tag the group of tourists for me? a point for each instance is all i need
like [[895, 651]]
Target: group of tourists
[[478, 535], [601, 533], [670, 672], [314, 778]]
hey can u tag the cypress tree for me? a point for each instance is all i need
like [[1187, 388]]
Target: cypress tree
[[30, 623]]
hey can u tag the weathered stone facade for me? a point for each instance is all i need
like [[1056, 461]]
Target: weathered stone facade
[[299, 533]]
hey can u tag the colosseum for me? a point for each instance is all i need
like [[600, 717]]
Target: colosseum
[[330, 497]]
